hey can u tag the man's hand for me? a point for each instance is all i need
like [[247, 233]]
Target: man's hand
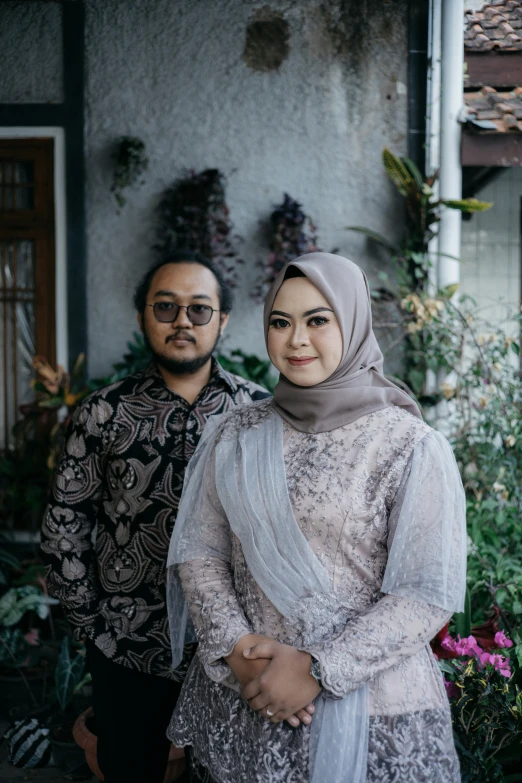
[[285, 686], [247, 669]]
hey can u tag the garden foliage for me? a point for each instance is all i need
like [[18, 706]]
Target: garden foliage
[[475, 396]]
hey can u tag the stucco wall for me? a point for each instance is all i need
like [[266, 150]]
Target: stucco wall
[[30, 52], [172, 74], [491, 266]]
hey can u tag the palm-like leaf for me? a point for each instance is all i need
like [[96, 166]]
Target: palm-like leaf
[[414, 172], [397, 172], [467, 204], [78, 370], [376, 237]]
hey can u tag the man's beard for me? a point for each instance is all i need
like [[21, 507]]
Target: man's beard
[[176, 367]]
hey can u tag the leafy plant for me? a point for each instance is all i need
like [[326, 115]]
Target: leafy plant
[[68, 674], [15, 650], [18, 600], [486, 701], [8, 561], [290, 232], [193, 215], [410, 257], [250, 367], [130, 162], [136, 359]]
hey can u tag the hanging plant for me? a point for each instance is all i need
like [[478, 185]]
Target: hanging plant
[[193, 215], [290, 233], [130, 162]]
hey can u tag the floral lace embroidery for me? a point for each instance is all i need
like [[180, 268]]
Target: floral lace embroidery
[[342, 486]]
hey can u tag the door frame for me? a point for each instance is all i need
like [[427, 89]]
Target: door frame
[[60, 227]]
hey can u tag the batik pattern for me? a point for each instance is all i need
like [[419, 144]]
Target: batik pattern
[[120, 475]]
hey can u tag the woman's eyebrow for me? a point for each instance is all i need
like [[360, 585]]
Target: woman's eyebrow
[[317, 310], [280, 312]]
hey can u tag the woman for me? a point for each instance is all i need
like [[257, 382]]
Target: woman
[[320, 544]]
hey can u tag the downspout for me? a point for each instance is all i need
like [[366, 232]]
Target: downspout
[[433, 144], [433, 120], [417, 74], [450, 178]]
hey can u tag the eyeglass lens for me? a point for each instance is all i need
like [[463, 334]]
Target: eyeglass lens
[[198, 314]]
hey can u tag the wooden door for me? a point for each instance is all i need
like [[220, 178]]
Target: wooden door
[[27, 271]]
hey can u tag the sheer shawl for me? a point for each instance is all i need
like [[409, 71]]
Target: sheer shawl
[[251, 485]]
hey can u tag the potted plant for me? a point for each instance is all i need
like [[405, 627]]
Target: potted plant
[[68, 699], [24, 614]]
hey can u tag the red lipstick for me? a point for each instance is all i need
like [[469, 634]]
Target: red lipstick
[[300, 361]]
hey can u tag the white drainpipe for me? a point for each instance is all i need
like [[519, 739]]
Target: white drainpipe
[[450, 179]]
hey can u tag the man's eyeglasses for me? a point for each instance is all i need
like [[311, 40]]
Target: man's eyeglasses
[[198, 314]]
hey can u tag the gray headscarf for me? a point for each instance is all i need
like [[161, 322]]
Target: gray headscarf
[[357, 386]]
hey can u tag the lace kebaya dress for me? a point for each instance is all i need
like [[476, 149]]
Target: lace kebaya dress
[[377, 499]]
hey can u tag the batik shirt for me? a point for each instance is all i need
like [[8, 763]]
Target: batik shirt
[[116, 491]]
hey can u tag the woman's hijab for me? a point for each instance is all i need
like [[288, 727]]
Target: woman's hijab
[[358, 386]]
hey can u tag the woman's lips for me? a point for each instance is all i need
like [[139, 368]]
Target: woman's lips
[[300, 362]]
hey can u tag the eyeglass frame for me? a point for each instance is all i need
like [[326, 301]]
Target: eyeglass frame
[[184, 307]]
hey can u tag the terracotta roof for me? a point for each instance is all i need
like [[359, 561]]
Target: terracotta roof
[[492, 111], [498, 25]]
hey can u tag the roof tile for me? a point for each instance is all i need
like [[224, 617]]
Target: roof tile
[[497, 26], [502, 110]]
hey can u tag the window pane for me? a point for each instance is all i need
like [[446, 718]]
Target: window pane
[[23, 172], [17, 184], [24, 198], [17, 331], [25, 264]]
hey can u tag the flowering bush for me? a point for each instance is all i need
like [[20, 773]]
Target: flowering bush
[[474, 395], [486, 702]]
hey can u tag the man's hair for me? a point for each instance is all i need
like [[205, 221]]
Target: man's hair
[[226, 298]]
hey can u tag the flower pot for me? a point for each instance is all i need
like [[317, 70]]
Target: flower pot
[[88, 741], [84, 734], [14, 691], [67, 755]]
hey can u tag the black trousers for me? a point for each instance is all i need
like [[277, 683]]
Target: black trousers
[[132, 712]]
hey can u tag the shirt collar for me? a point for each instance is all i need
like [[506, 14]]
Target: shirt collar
[[218, 376]]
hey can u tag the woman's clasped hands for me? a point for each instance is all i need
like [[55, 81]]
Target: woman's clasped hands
[[275, 679]]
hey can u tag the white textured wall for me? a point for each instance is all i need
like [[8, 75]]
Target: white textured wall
[[491, 265], [172, 74], [30, 52], [474, 5]]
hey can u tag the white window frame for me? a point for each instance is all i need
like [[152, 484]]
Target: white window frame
[[60, 227]]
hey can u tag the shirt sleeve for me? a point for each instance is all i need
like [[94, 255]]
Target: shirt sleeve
[[208, 584], [70, 518], [424, 581]]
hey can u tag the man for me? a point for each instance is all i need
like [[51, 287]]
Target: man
[[122, 469]]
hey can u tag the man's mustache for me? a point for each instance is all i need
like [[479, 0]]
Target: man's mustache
[[184, 335]]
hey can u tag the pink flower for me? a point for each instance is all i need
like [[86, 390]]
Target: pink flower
[[501, 640], [467, 646], [499, 662], [451, 689], [449, 643]]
